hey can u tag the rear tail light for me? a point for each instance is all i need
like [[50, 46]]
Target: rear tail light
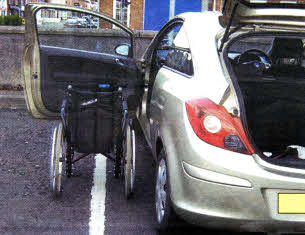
[[234, 142], [213, 124]]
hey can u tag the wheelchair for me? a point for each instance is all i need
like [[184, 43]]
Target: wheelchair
[[99, 120]]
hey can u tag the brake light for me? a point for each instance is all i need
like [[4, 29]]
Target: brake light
[[215, 125]]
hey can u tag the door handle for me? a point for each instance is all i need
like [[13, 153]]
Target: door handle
[[119, 62]]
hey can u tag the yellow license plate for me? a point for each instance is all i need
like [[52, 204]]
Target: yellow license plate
[[291, 203]]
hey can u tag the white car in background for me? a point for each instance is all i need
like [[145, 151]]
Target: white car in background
[[72, 23]]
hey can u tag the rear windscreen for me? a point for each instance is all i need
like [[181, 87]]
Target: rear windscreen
[[268, 56]]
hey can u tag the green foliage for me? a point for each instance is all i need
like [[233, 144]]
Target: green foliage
[[11, 20]]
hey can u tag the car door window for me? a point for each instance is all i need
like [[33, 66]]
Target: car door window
[[173, 51], [78, 30], [163, 48]]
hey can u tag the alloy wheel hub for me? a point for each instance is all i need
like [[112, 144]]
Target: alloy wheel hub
[[161, 190]]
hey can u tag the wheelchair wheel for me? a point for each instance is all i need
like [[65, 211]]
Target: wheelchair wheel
[[129, 156], [57, 160], [52, 154]]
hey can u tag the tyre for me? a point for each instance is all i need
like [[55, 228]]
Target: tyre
[[54, 134], [129, 157], [57, 160], [165, 215]]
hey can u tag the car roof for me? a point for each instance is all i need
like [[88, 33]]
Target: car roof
[[201, 22], [196, 15]]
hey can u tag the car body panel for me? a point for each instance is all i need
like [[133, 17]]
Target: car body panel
[[33, 67], [201, 45], [143, 116]]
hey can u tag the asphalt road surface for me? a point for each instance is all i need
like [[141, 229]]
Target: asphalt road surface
[[26, 204]]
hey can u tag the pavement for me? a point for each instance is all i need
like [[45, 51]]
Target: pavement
[[12, 99], [26, 204]]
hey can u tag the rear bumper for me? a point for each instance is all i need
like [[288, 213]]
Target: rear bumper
[[216, 188], [218, 205], [239, 225]]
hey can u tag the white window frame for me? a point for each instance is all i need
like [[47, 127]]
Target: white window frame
[[115, 10]]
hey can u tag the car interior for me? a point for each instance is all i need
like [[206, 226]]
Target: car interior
[[271, 76]]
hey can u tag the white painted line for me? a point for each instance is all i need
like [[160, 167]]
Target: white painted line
[[98, 193]]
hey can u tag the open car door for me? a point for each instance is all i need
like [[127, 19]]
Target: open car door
[[72, 46]]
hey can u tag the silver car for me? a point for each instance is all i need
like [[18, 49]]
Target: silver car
[[222, 109], [223, 112]]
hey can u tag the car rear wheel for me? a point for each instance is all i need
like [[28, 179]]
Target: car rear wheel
[[165, 214]]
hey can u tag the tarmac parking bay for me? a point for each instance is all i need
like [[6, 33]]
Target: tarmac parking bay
[[27, 206]]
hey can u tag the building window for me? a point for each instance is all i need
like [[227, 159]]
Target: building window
[[121, 12], [49, 13]]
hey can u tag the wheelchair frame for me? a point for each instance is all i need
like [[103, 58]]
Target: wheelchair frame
[[123, 142]]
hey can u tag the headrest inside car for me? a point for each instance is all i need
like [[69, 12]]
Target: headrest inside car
[[287, 51]]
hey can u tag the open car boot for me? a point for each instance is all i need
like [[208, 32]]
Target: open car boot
[[270, 74]]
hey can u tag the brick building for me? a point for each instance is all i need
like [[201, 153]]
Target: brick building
[[138, 14], [132, 15], [88, 4], [151, 14]]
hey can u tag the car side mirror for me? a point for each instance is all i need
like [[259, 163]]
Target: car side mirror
[[123, 49]]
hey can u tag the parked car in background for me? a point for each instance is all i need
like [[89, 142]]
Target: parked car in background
[[95, 21], [220, 103], [91, 25], [83, 21], [73, 23]]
